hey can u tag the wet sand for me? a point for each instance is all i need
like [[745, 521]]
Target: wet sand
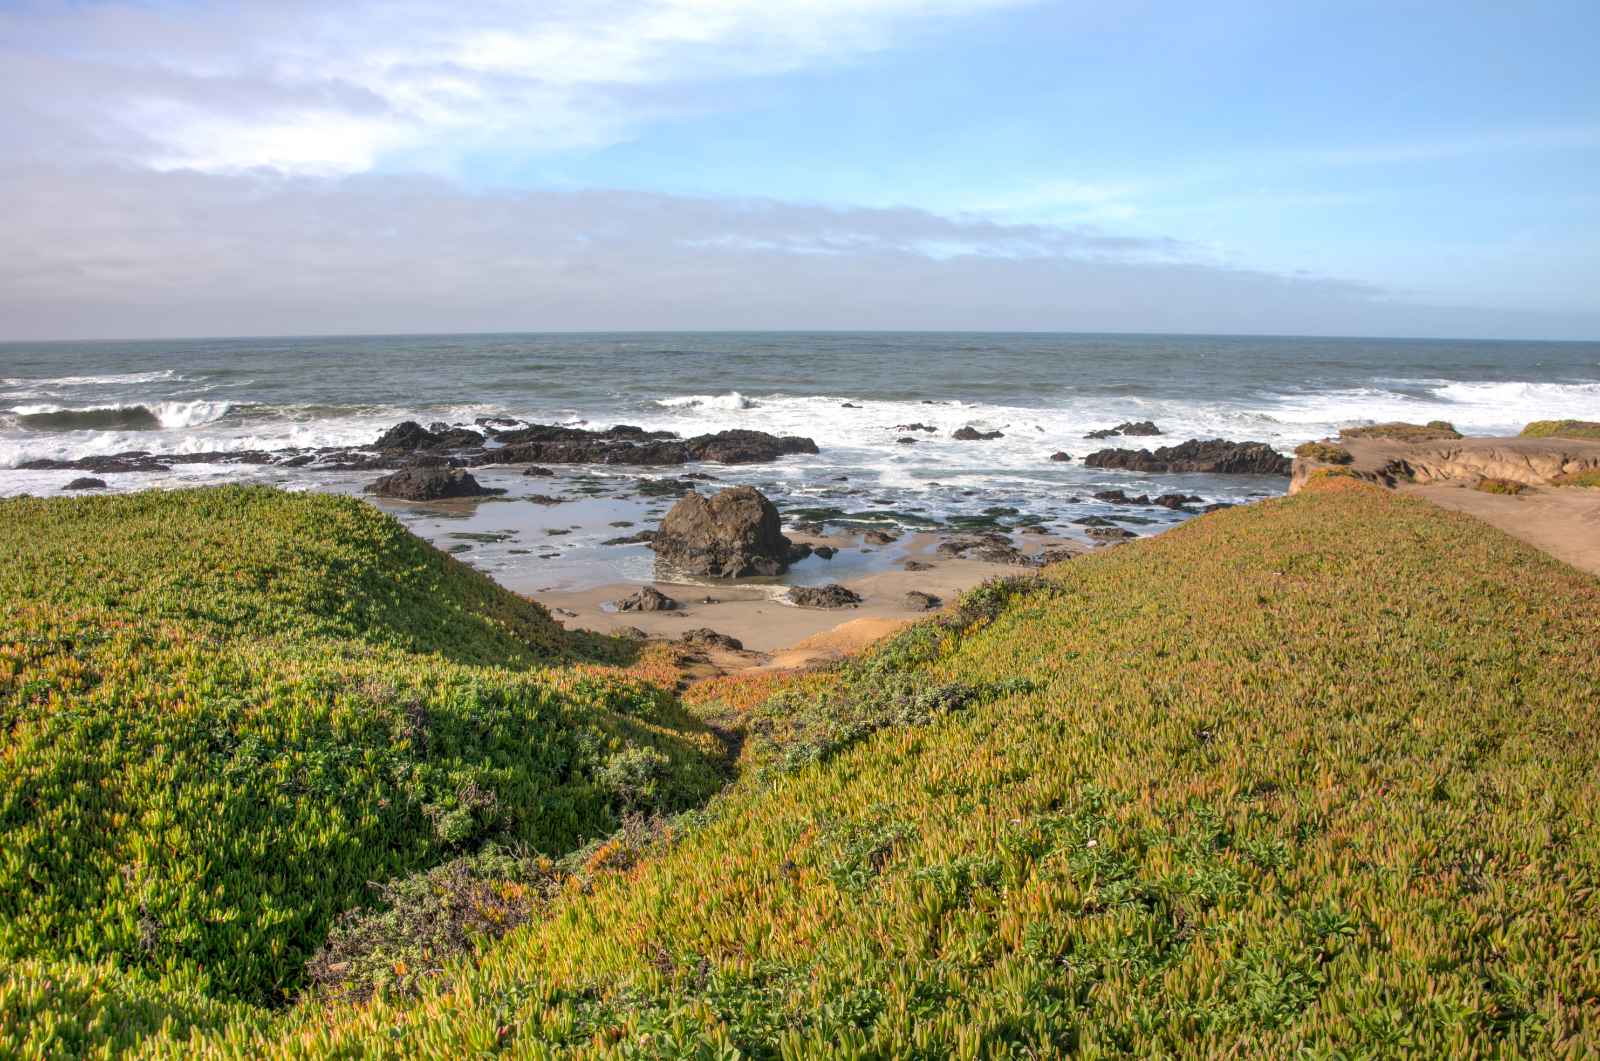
[[787, 635]]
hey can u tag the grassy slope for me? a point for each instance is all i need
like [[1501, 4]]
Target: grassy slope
[[226, 711], [1562, 429], [1312, 774]]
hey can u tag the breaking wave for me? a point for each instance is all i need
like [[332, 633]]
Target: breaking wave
[[159, 416]]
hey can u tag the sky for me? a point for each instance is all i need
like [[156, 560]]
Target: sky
[[187, 167]]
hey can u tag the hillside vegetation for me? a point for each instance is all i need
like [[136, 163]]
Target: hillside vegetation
[[1562, 429], [1309, 776], [227, 711]]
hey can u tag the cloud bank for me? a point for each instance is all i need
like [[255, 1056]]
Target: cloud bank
[[118, 253]]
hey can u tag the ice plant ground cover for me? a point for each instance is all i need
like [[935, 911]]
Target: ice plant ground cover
[[1311, 775]]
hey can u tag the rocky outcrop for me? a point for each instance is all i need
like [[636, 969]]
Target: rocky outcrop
[[705, 637], [833, 596], [86, 483], [429, 484], [732, 534], [647, 599], [1212, 456], [922, 602], [1060, 456], [631, 445], [972, 434], [1531, 461], [1130, 427]]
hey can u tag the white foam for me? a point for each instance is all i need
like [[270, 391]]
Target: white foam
[[731, 400], [163, 376]]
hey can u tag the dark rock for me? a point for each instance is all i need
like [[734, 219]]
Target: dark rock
[[1093, 521], [638, 538], [1033, 529], [848, 405], [833, 596], [827, 552], [922, 602], [699, 477], [877, 537], [972, 434], [733, 533], [705, 637], [918, 426], [1217, 506], [1117, 497], [1060, 456], [546, 499], [1141, 427], [498, 423], [1111, 533], [648, 599], [798, 551], [429, 484], [554, 444], [906, 440], [918, 565], [86, 483], [1176, 502], [809, 527], [631, 633], [1055, 555], [407, 436], [664, 487], [535, 470], [1213, 456], [113, 465]]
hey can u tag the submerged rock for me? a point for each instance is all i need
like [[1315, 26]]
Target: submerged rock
[[833, 596], [732, 534], [972, 434], [429, 484], [1214, 456]]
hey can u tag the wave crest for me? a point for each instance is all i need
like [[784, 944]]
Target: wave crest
[[731, 400], [158, 416]]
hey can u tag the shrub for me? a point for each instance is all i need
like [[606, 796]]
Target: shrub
[[1323, 453], [1494, 485], [227, 710], [1562, 429], [1590, 478], [1433, 431]]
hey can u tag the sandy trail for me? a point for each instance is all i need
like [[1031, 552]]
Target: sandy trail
[[1563, 521]]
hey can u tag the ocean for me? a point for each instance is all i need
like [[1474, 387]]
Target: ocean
[[851, 392]]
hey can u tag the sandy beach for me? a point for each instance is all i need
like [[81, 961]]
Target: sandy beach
[[777, 633]]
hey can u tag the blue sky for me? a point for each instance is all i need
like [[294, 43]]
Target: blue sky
[[1439, 156]]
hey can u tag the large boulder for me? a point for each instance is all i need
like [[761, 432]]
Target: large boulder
[[406, 436], [429, 484], [1213, 456], [972, 434], [731, 534], [831, 596], [648, 599]]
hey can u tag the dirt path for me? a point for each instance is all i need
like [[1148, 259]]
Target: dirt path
[[1563, 521]]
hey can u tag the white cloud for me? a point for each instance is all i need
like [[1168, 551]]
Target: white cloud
[[316, 88]]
